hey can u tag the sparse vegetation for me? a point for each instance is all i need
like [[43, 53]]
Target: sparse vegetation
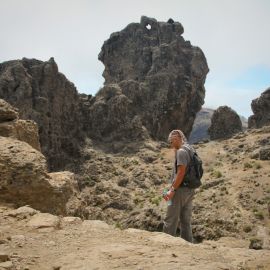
[[118, 226], [247, 165], [255, 243], [258, 214], [216, 174], [257, 166], [210, 169], [136, 200], [135, 161], [156, 200], [247, 228]]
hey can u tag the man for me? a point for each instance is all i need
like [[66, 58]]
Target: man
[[181, 196]]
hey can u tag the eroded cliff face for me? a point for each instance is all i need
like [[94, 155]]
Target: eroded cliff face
[[43, 94], [261, 109], [159, 73]]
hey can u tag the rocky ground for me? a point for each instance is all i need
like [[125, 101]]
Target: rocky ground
[[31, 240], [233, 200], [230, 219]]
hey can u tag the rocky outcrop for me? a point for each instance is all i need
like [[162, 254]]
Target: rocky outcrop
[[159, 74], [154, 82], [225, 122], [23, 169], [24, 179], [7, 112], [112, 117], [202, 123], [44, 95], [261, 109], [13, 127]]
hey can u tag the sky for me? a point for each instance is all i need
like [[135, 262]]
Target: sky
[[233, 34]]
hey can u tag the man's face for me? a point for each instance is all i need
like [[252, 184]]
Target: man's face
[[176, 141]]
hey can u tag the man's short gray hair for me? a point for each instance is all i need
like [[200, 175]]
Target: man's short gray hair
[[179, 133]]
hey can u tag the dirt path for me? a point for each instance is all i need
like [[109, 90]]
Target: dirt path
[[96, 245]]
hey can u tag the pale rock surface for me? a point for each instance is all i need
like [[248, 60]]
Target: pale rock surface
[[70, 220], [22, 212], [44, 220], [7, 112], [95, 224], [25, 180], [106, 247], [8, 265], [11, 126]]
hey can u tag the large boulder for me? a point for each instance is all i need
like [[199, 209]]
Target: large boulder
[[261, 109], [23, 168], [225, 122], [7, 112], [24, 179], [159, 74]]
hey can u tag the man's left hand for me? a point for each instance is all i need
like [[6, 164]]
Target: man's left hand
[[169, 195]]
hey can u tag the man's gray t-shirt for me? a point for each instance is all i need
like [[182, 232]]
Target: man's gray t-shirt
[[182, 157]]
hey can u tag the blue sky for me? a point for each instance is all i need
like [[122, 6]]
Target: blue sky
[[238, 90], [233, 34]]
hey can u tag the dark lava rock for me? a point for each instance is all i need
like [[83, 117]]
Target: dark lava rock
[[44, 95], [159, 74], [261, 109], [225, 122]]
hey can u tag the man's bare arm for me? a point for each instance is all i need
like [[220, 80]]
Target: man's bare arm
[[181, 169]]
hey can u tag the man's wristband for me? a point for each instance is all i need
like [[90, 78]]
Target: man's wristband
[[172, 189]]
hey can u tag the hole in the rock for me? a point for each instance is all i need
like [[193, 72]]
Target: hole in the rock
[[148, 26]]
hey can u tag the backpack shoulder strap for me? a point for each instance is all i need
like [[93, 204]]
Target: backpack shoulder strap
[[188, 153]]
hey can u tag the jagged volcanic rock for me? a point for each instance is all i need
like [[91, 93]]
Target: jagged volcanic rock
[[261, 109], [224, 123], [161, 74], [44, 95], [154, 82]]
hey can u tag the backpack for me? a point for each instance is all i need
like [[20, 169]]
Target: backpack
[[194, 172]]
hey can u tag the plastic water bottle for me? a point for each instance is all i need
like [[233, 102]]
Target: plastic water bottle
[[169, 202]]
